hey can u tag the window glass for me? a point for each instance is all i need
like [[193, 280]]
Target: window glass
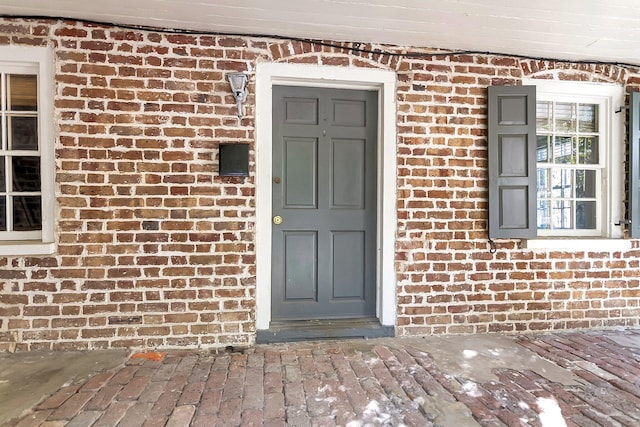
[[26, 173], [565, 117], [585, 183], [588, 150], [24, 133], [568, 162], [542, 151], [543, 115], [586, 215], [588, 114], [561, 183], [3, 179], [3, 213], [544, 215], [563, 150], [22, 92], [27, 213], [544, 185], [561, 215]]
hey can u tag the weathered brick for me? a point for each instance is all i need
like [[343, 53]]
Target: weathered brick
[[141, 115]]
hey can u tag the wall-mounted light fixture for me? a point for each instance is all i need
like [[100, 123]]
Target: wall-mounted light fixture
[[238, 83]]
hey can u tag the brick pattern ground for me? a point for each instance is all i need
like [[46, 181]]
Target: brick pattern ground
[[350, 383]]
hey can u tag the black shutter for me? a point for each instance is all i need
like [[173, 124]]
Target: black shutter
[[512, 161], [634, 165]]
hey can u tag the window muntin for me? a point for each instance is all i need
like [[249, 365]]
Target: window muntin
[[569, 167], [20, 154], [609, 187]]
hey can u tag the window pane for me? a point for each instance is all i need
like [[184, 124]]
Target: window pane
[[588, 149], [565, 117], [563, 150], [26, 173], [3, 176], [544, 215], [561, 215], [544, 186], [24, 133], [542, 149], [27, 213], [3, 213], [586, 183], [586, 215], [562, 183], [588, 114], [23, 92], [543, 116]]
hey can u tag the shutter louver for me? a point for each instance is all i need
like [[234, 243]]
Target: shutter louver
[[512, 161], [634, 165]]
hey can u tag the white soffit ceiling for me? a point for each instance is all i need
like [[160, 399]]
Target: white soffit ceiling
[[593, 30]]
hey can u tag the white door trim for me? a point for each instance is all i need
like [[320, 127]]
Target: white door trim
[[384, 81]]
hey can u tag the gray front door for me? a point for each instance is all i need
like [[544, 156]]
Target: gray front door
[[324, 191]]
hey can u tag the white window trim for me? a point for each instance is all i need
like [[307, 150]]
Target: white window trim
[[42, 58], [577, 244], [613, 176]]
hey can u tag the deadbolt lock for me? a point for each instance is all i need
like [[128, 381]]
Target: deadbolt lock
[[277, 220]]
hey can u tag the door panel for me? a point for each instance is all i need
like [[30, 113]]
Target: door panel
[[347, 178], [301, 173], [324, 188], [300, 268], [349, 113], [348, 264], [302, 111]]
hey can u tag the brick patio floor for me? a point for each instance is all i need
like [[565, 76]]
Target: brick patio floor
[[386, 382]]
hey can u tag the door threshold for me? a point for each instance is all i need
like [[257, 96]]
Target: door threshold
[[307, 330]]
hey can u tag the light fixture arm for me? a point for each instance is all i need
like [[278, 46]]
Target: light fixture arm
[[238, 83]]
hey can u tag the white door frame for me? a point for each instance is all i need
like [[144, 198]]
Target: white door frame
[[383, 81]]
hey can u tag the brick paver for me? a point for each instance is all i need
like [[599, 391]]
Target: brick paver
[[354, 383]]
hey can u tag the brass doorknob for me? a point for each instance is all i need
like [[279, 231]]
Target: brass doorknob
[[277, 220]]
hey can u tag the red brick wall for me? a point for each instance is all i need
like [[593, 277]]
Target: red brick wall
[[448, 280], [154, 249]]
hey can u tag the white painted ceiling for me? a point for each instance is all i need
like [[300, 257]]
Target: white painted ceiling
[[599, 30]]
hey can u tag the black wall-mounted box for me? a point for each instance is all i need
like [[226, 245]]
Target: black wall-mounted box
[[234, 160]]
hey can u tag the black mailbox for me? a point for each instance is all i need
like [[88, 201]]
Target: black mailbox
[[234, 160]]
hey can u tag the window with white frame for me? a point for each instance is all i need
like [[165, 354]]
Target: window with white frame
[[26, 151], [578, 158]]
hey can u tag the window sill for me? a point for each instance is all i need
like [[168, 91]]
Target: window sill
[[18, 248], [578, 244]]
